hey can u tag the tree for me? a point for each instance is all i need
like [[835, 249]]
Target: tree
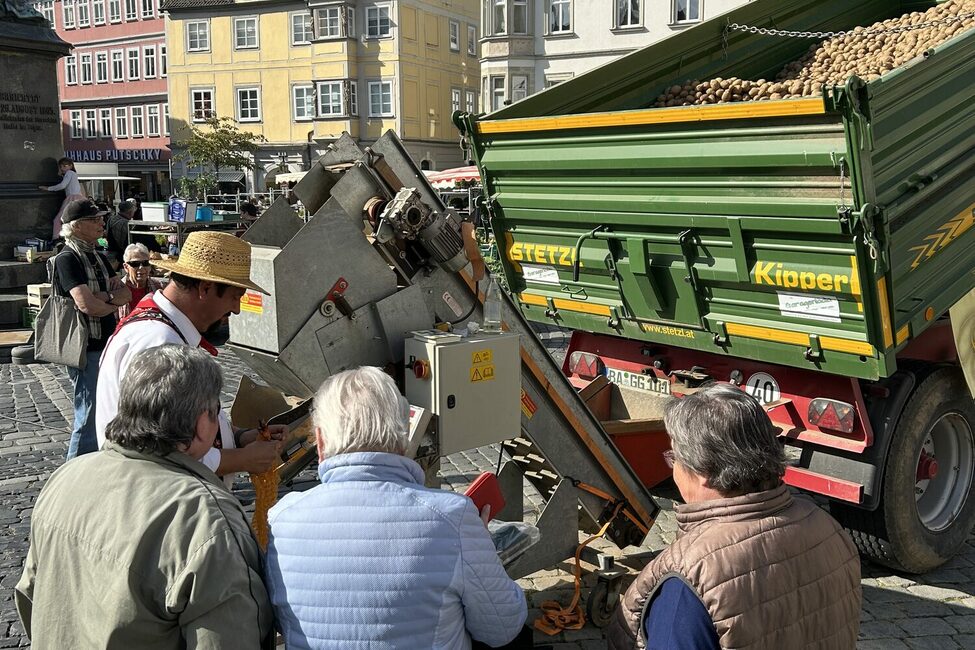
[[216, 143]]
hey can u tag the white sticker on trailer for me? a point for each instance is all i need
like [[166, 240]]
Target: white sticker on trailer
[[540, 274], [763, 387], [819, 308]]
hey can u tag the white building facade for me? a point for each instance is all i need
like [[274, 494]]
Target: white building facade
[[529, 45]]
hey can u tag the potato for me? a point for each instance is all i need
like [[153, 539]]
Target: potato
[[832, 62]]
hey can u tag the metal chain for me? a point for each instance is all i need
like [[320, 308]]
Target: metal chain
[[735, 27]]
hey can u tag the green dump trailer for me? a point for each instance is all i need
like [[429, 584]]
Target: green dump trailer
[[808, 250]]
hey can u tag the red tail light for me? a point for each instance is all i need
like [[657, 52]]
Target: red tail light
[[586, 365], [832, 414]]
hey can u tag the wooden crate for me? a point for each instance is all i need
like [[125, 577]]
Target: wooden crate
[[38, 293]]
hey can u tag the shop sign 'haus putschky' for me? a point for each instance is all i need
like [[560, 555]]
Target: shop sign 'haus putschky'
[[117, 155]]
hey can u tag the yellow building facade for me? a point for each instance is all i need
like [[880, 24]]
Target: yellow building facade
[[302, 73]]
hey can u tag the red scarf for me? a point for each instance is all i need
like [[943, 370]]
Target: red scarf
[[147, 309]]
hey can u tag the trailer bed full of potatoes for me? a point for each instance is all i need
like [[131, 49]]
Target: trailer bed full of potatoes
[[790, 183]]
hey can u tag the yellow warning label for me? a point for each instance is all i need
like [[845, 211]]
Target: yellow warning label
[[482, 373], [481, 356], [528, 407], [252, 302]]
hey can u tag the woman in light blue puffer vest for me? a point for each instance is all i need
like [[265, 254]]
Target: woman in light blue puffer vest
[[373, 559]]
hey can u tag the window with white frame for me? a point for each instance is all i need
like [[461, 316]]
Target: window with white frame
[[330, 100], [627, 13], [687, 11], [84, 13], [105, 117], [138, 128], [114, 11], [560, 16], [248, 104], [131, 10], [472, 40], [152, 120], [519, 16], [197, 36], [201, 100], [353, 98], [118, 65], [91, 123], [149, 62], [67, 14], [86, 68], [46, 8], [132, 56], [303, 102], [519, 87], [165, 119], [350, 22], [121, 122], [378, 24], [98, 12], [148, 7], [496, 17], [453, 28], [163, 61], [497, 92], [454, 100], [245, 33], [380, 98], [328, 21], [101, 67], [71, 70], [77, 131], [470, 101], [302, 31]]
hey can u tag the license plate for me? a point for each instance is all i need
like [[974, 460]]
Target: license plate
[[649, 383]]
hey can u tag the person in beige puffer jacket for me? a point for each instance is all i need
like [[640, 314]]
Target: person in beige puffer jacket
[[752, 566]]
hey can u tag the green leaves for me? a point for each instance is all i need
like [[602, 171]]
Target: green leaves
[[215, 144]]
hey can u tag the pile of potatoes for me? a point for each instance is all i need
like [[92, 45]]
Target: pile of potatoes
[[831, 62]]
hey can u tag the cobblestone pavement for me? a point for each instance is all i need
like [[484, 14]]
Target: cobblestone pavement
[[932, 611]]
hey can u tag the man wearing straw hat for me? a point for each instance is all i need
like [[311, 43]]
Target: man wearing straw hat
[[206, 285]]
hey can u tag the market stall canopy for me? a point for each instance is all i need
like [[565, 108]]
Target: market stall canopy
[[100, 172], [290, 177], [447, 178], [235, 176]]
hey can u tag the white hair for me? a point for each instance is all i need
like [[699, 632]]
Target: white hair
[[361, 410], [68, 228], [132, 249]]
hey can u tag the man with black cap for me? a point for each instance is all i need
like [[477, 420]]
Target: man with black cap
[[83, 274]]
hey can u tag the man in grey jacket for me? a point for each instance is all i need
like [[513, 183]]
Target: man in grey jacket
[[140, 545]]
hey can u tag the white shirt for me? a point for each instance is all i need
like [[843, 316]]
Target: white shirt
[[69, 183], [119, 352]]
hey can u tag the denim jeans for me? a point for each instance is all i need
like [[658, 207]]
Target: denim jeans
[[83, 440]]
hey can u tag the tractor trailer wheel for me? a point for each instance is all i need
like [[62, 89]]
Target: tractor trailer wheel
[[927, 509]]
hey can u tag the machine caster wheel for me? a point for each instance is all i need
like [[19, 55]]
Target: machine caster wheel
[[598, 608], [605, 595]]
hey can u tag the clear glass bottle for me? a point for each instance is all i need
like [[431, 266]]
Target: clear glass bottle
[[492, 309]]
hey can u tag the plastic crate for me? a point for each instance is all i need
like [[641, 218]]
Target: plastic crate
[[28, 315]]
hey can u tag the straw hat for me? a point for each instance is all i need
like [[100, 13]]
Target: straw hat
[[214, 256]]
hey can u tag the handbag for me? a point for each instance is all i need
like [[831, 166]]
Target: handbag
[[61, 331]]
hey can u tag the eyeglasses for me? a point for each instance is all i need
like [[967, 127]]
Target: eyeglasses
[[670, 458], [138, 265]]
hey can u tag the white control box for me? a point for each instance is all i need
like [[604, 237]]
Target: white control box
[[472, 385]]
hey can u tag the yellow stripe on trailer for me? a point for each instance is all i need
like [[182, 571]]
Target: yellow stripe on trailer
[[798, 338], [565, 305], [885, 326], [673, 115], [903, 333]]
